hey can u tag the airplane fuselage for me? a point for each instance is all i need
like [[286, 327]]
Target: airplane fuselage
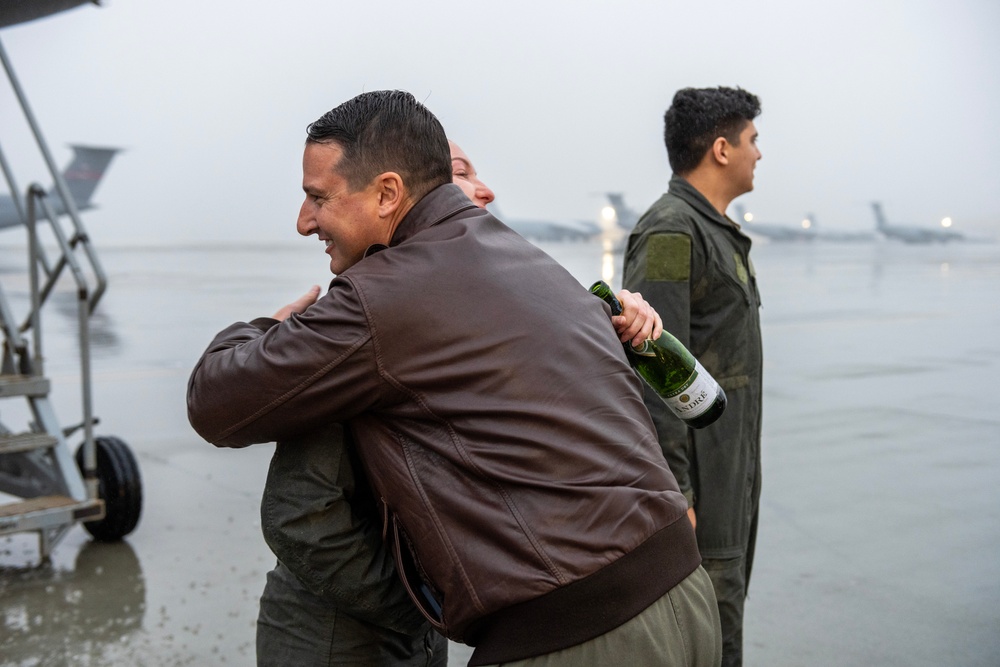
[[779, 233], [909, 234]]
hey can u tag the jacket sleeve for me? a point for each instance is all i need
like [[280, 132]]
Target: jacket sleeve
[[661, 264], [267, 380], [320, 521]]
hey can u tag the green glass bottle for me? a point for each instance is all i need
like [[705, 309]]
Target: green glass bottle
[[690, 391]]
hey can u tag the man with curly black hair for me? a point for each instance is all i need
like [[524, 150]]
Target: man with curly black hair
[[692, 264]]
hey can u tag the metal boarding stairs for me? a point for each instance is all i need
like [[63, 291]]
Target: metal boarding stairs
[[36, 463], [99, 486]]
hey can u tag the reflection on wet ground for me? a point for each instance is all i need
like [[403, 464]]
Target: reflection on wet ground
[[78, 615], [879, 523]]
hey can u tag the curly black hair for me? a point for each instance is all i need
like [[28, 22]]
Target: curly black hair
[[698, 116]]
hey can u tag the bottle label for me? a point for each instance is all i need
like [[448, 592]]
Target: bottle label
[[696, 396]]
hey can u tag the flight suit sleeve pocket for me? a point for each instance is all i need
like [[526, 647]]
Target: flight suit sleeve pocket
[[668, 258]]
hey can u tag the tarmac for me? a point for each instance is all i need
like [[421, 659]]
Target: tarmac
[[879, 532]]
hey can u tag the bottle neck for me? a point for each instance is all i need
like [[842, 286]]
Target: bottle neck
[[647, 349]]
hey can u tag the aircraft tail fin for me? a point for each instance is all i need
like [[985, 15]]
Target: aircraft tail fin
[[85, 172], [627, 218], [879, 216]]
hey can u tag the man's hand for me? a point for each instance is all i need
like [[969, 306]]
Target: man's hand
[[299, 305], [638, 320], [692, 518]]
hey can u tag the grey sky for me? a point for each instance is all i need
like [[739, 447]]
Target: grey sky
[[555, 102]]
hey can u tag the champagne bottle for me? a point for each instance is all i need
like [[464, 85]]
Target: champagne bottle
[[690, 391]]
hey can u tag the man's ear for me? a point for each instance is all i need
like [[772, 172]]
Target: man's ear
[[720, 150], [391, 193]]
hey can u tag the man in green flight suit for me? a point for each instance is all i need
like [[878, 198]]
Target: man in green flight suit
[[692, 264]]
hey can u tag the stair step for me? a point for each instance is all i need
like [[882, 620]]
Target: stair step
[[47, 512], [23, 442], [23, 385]]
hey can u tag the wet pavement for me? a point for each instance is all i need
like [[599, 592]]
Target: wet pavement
[[880, 522]]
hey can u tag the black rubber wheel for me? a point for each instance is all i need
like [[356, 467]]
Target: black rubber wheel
[[118, 485]]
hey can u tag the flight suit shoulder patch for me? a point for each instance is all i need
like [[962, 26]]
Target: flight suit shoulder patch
[[668, 257]]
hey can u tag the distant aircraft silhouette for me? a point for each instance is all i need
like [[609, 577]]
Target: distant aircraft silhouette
[[624, 216], [808, 231], [805, 231], [82, 176], [546, 230], [910, 234], [627, 218]]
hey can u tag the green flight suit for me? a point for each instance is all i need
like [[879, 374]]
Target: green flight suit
[[693, 266], [334, 597]]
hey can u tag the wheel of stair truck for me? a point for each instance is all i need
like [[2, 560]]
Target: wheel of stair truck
[[118, 485]]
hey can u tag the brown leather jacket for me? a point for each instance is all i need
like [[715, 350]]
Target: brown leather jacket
[[496, 416]]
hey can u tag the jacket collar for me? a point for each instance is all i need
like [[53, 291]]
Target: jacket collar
[[690, 194], [437, 206]]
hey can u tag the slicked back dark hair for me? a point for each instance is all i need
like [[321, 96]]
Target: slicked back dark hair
[[698, 116], [386, 130]]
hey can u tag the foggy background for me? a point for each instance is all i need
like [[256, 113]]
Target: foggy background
[[555, 102], [867, 460]]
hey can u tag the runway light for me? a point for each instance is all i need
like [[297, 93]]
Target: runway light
[[608, 213], [806, 223], [946, 222], [748, 217]]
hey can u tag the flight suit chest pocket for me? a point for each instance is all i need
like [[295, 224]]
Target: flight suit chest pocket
[[737, 271]]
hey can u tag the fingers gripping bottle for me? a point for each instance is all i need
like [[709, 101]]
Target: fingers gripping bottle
[[690, 391]]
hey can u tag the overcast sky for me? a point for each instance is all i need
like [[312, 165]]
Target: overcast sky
[[555, 102]]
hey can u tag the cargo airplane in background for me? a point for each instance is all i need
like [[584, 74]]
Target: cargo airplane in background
[[626, 218], [618, 212], [805, 231], [546, 230], [82, 176], [914, 234]]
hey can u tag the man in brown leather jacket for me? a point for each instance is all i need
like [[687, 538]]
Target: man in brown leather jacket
[[693, 265], [333, 597], [494, 410]]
